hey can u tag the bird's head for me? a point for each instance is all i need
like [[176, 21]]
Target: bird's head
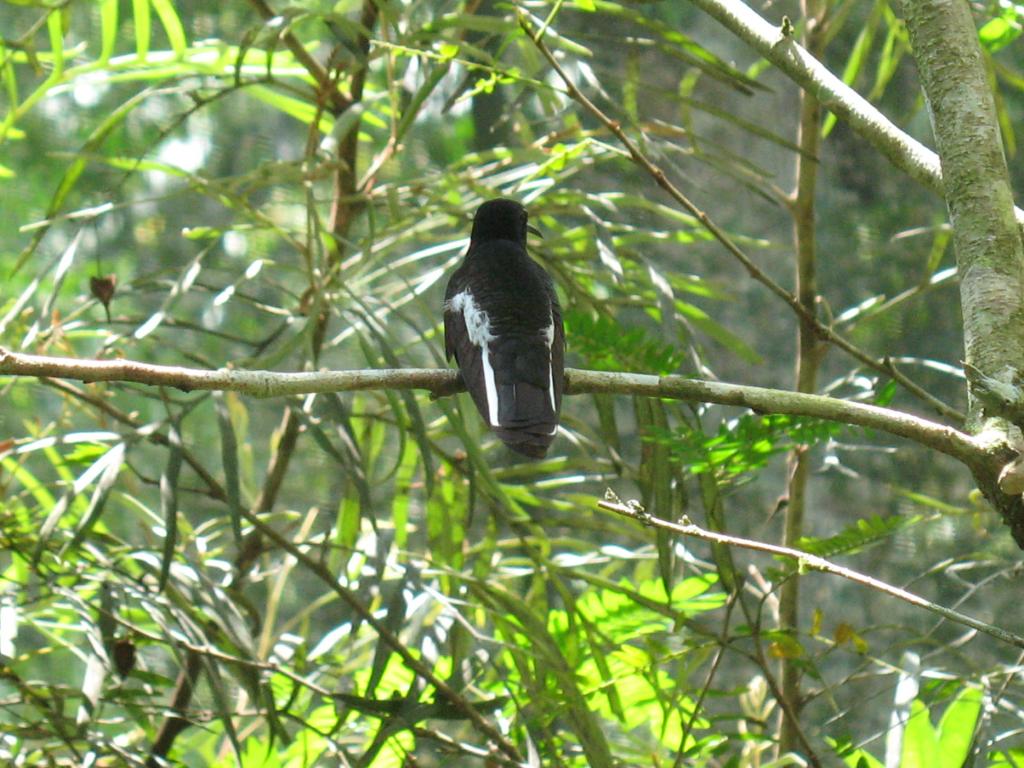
[[501, 219]]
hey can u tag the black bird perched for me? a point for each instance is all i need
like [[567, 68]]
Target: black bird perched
[[503, 324]]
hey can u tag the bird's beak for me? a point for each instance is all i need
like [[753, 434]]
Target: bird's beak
[[537, 232]]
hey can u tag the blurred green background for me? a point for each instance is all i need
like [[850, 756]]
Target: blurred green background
[[251, 221]]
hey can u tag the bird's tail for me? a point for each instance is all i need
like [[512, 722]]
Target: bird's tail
[[527, 418]]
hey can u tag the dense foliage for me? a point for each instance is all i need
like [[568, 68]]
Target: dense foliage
[[370, 578]]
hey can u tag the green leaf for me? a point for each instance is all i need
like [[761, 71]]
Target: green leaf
[[858, 57], [172, 26], [394, 621], [108, 33], [348, 521], [1001, 31], [920, 742], [113, 461], [303, 111], [856, 537], [169, 503], [957, 727], [229, 459], [55, 26], [885, 393], [605, 344], [143, 28], [854, 757]]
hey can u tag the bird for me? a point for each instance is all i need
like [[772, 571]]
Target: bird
[[503, 326]]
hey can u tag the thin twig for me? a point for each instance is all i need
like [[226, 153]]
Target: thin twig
[[325, 84], [823, 331], [809, 562], [723, 645], [808, 360]]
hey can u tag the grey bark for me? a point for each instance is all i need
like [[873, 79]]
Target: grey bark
[[976, 185]]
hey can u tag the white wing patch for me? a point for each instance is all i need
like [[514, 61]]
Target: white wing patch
[[549, 339], [478, 325], [478, 328], [489, 387]]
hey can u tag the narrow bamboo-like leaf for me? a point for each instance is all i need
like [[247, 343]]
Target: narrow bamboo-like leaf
[[105, 622], [350, 455], [78, 485], [75, 169], [302, 111], [757, 129], [143, 28], [1006, 120], [180, 288], [169, 503], [172, 26], [348, 521], [222, 699], [8, 631], [703, 322], [229, 458], [415, 422], [604, 405], [858, 56], [67, 258], [403, 495], [894, 48], [939, 244], [115, 460], [483, 474], [474, 22], [412, 110], [10, 82], [711, 498], [108, 26], [678, 45], [55, 26], [92, 688], [611, 690], [394, 621], [661, 493]]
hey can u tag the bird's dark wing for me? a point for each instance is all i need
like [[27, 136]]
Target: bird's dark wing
[[451, 318]]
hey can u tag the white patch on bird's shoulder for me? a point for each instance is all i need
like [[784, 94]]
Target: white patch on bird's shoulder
[[478, 329], [478, 325]]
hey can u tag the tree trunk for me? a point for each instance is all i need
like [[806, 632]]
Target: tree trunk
[[989, 250]]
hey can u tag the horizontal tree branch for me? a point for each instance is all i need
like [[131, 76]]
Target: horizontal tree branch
[[440, 382], [805, 561]]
